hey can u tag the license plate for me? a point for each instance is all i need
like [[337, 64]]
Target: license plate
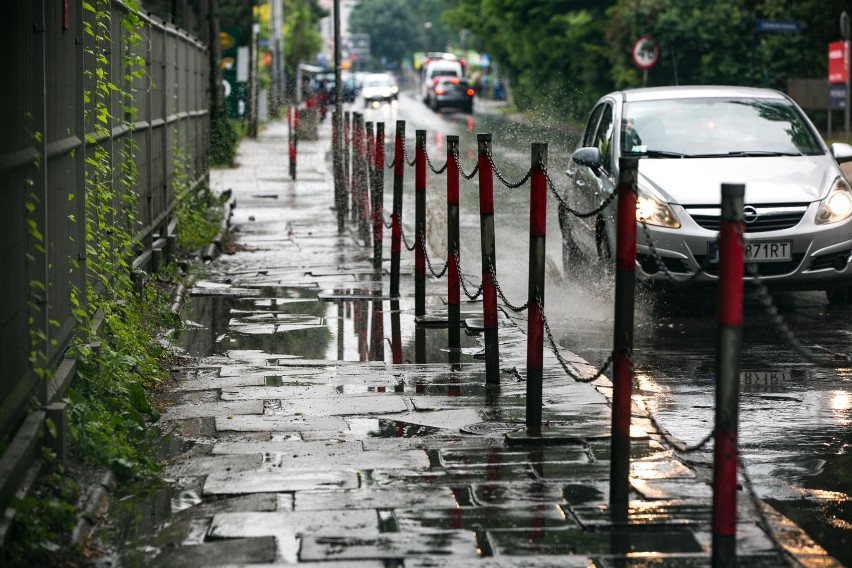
[[748, 378], [758, 251]]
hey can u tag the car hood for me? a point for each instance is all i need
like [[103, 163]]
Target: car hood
[[698, 181]]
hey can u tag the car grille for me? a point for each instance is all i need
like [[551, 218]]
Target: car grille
[[763, 268], [769, 217], [674, 265]]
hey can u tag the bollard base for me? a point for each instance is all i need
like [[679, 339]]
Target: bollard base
[[431, 321]]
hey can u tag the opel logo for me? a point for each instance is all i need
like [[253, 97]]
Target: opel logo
[[750, 214]]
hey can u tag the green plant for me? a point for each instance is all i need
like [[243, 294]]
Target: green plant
[[43, 522], [224, 138]]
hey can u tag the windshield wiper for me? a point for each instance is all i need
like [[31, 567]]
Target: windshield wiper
[[659, 154], [760, 153]]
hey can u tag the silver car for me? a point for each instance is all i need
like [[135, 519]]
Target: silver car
[[690, 140]]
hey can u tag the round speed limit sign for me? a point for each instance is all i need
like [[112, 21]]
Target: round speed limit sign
[[645, 52]]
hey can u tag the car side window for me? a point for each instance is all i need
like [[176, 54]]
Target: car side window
[[603, 136], [591, 126]]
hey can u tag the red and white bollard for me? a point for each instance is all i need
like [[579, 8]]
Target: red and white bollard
[[489, 260], [535, 296], [728, 353]]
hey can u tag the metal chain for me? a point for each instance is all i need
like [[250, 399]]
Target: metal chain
[[471, 297], [604, 204], [569, 369], [404, 240], [429, 262], [405, 155], [772, 311], [784, 555], [459, 166], [516, 309], [662, 265], [391, 165], [431, 167], [387, 224], [506, 182]]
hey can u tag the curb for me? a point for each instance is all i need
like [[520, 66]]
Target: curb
[[94, 506]]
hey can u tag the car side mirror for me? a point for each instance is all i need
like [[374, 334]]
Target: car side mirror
[[841, 152], [590, 157]]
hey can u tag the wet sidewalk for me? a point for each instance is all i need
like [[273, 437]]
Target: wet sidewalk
[[303, 443]]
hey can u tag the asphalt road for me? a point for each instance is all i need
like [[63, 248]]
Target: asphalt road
[[794, 416]]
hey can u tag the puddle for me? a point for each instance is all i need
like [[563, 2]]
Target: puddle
[[361, 428]]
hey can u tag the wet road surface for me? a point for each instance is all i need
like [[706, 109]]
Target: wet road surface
[[310, 437]]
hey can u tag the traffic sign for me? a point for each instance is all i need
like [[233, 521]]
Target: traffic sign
[[838, 62], [836, 97], [645, 52], [780, 26]]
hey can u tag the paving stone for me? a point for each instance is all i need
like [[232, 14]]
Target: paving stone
[[660, 469], [480, 518], [344, 405], [459, 544], [279, 423], [648, 513], [215, 409], [566, 561], [205, 465], [216, 382], [547, 541], [231, 551], [375, 499], [666, 489], [446, 442], [477, 457], [447, 476], [517, 493], [277, 481], [453, 419]]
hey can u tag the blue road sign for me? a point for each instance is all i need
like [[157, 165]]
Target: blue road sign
[[777, 26], [837, 97]]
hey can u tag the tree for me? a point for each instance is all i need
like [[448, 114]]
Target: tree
[[398, 28]]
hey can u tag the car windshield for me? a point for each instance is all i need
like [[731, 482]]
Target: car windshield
[[378, 82], [715, 127]]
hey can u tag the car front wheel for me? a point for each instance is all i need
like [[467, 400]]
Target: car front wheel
[[572, 256]]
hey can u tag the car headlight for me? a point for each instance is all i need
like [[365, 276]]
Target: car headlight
[[394, 90], [837, 205], [654, 212]]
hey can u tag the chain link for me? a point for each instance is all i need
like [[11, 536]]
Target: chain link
[[405, 240], [506, 182], [388, 225], [405, 156], [662, 265], [429, 262], [459, 166], [471, 297], [604, 204], [508, 304], [569, 369], [757, 504], [431, 167], [772, 311]]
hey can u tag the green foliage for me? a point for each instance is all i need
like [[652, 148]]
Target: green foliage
[[406, 27], [198, 210], [43, 522], [224, 139], [110, 403]]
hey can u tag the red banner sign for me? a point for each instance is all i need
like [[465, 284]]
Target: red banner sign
[[838, 62]]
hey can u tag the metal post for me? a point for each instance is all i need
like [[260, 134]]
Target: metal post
[[363, 184], [419, 223], [489, 260], [346, 161], [625, 281], [338, 87], [339, 194], [396, 214], [291, 141], [396, 334], [357, 125], [729, 345], [295, 138], [453, 291], [378, 188], [367, 166], [535, 295]]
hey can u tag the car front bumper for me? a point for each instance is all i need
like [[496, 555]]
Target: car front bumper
[[821, 254]]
